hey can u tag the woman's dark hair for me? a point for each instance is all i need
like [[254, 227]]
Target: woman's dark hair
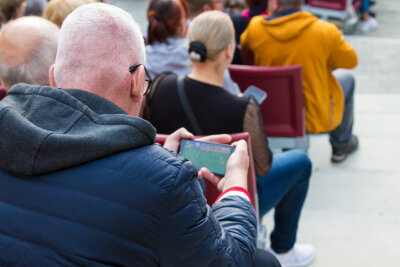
[[257, 6], [164, 18], [8, 8]]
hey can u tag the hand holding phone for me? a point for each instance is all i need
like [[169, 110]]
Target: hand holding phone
[[236, 169], [204, 154]]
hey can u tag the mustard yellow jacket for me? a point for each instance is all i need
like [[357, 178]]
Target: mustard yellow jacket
[[301, 38]]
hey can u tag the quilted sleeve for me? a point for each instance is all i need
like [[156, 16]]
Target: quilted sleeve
[[193, 234]]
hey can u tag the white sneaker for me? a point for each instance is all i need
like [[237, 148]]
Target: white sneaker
[[300, 255], [369, 25]]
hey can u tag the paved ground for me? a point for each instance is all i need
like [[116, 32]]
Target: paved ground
[[136, 7], [352, 212]]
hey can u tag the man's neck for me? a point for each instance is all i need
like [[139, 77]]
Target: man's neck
[[286, 7], [283, 12]]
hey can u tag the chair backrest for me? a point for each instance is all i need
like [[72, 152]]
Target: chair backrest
[[212, 192], [340, 5], [247, 58], [282, 111], [3, 93]]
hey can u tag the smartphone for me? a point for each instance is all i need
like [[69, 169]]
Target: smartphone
[[258, 94], [204, 154]]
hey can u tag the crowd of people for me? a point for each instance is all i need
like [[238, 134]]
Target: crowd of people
[[82, 181]]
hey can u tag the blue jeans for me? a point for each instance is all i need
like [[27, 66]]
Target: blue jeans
[[285, 188], [364, 6], [343, 133]]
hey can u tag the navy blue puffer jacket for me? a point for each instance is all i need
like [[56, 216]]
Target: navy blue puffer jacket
[[81, 183]]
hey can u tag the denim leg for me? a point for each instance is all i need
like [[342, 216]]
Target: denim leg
[[364, 6], [342, 134], [285, 188]]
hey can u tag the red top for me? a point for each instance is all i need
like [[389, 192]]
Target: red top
[[246, 14], [3, 92]]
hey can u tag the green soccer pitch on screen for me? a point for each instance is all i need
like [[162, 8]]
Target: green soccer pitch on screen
[[204, 154]]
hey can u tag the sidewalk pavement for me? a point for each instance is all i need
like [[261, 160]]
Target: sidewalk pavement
[[352, 212]]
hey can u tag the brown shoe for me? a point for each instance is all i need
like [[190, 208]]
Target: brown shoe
[[339, 155]]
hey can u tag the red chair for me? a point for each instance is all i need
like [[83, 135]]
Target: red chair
[[329, 4], [283, 110], [334, 9], [3, 93], [212, 192]]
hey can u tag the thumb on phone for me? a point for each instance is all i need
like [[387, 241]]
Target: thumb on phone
[[237, 167]]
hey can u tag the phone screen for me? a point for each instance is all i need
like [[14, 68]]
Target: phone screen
[[258, 94], [204, 154]]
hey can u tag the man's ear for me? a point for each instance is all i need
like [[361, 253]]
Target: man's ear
[[137, 83], [51, 77]]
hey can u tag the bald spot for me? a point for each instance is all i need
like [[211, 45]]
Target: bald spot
[[19, 38]]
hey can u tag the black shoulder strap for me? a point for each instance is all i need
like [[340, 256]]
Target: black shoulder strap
[[186, 106], [145, 110]]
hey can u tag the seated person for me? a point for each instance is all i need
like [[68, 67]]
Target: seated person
[[256, 7], [28, 48], [283, 179], [368, 22], [57, 10], [82, 182], [240, 22], [292, 36], [167, 48], [237, 6], [35, 7]]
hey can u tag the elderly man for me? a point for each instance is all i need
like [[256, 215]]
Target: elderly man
[[28, 48], [292, 36], [81, 180]]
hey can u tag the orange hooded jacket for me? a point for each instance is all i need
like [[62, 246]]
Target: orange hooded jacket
[[301, 38]]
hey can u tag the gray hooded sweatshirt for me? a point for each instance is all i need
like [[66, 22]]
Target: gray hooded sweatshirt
[[43, 129]]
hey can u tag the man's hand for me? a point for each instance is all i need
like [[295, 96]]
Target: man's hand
[[173, 140], [217, 138], [236, 169]]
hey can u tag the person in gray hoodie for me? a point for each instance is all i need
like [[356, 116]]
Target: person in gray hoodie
[[82, 182], [167, 47]]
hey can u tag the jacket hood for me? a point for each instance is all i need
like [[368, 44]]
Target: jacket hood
[[288, 27], [43, 129], [173, 57]]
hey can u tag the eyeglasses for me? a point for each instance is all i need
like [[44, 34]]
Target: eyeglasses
[[147, 81]]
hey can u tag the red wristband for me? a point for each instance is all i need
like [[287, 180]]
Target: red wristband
[[238, 189]]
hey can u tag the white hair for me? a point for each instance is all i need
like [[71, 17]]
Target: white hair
[[98, 42], [35, 69]]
